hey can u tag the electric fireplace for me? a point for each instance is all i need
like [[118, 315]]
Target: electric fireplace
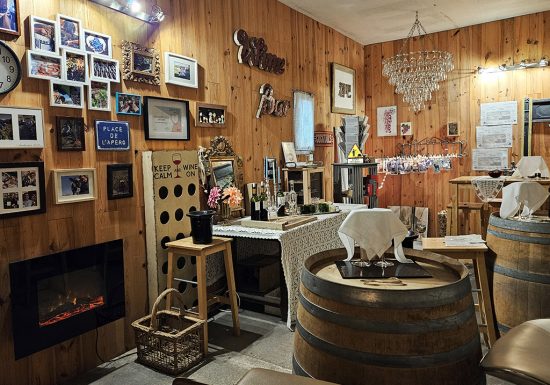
[[60, 296]]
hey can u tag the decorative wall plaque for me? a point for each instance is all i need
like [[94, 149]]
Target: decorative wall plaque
[[323, 138], [253, 51], [140, 64], [269, 105]]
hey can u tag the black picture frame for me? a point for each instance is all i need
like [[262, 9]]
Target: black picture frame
[[78, 138], [156, 118], [22, 187], [114, 172]]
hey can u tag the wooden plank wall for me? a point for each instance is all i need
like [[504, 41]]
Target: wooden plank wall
[[202, 29], [458, 100]]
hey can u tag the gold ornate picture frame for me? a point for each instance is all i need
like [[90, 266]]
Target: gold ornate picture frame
[[140, 64]]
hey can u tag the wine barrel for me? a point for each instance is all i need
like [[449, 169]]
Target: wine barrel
[[519, 265], [422, 333]]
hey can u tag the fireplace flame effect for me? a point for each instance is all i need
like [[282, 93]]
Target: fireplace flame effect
[[78, 308]]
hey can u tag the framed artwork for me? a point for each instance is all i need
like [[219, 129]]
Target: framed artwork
[[128, 104], [99, 95], [180, 70], [166, 119], [102, 68], [70, 32], [71, 133], [9, 12], [386, 118], [120, 181], [97, 43], [210, 115], [140, 64], [75, 66], [21, 127], [112, 135], [405, 128], [223, 171], [452, 129], [289, 153], [43, 34], [74, 185], [22, 189], [343, 89], [66, 94], [43, 65]]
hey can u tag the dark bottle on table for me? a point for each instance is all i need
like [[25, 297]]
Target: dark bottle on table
[[263, 203], [255, 203], [280, 201]]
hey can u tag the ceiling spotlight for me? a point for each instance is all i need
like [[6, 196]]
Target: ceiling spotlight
[[134, 6], [157, 15]]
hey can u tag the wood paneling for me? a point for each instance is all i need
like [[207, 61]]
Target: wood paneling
[[458, 100], [202, 29]]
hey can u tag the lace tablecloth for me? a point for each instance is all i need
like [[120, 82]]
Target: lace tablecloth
[[296, 245]]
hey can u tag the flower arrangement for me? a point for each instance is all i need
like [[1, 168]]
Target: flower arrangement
[[230, 195]]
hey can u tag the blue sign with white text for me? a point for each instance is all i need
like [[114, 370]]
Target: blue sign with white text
[[112, 135]]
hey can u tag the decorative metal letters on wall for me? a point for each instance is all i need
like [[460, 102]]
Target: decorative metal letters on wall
[[253, 51], [269, 105]]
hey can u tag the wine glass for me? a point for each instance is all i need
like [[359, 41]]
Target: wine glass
[[383, 263], [420, 228]]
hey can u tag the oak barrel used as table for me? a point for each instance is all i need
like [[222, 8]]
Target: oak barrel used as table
[[422, 333], [519, 265]]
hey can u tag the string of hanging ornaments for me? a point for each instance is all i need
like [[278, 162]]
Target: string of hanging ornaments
[[416, 75]]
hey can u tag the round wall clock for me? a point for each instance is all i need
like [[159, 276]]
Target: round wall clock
[[10, 69]]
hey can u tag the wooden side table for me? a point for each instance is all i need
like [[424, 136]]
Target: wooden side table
[[476, 253], [187, 247]]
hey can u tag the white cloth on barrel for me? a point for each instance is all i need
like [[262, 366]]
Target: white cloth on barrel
[[529, 165], [531, 194], [373, 230]]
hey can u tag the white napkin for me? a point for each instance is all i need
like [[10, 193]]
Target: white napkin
[[531, 194], [529, 165], [373, 230]]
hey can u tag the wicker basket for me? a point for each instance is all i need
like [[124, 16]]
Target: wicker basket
[[169, 341]]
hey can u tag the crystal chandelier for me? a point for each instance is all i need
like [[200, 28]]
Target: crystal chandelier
[[416, 75]]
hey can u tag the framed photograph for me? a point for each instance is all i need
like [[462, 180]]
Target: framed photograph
[[9, 12], [43, 34], [289, 153], [210, 115], [128, 104], [386, 118], [120, 181], [70, 133], [102, 68], [223, 171], [140, 64], [180, 70], [166, 119], [452, 129], [99, 95], [112, 135], [43, 65], [343, 89], [97, 43], [405, 128], [22, 189], [66, 94], [21, 127], [74, 185], [70, 32], [75, 66]]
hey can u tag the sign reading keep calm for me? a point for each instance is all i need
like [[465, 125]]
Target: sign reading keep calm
[[253, 51], [112, 135]]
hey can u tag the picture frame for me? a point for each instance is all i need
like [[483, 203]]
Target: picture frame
[[99, 95], [66, 94], [210, 115], [44, 65], [405, 128], [140, 64], [43, 33], [22, 189], [128, 104], [343, 89], [71, 133], [12, 17], [120, 181], [74, 185], [166, 119], [180, 70], [70, 32], [74, 66], [103, 68], [386, 121], [112, 135], [222, 170], [21, 127], [98, 44], [453, 129]]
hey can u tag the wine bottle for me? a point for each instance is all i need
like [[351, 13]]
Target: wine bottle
[[263, 203], [280, 201], [255, 203]]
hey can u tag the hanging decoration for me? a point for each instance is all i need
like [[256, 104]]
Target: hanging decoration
[[269, 105], [253, 51]]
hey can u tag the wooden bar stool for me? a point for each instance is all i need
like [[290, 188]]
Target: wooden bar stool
[[475, 253], [187, 247]]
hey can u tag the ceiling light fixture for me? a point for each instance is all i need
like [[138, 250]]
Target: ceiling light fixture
[[524, 64], [134, 8], [416, 75]]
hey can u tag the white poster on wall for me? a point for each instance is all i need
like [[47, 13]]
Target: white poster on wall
[[492, 114], [386, 121], [494, 136], [486, 159]]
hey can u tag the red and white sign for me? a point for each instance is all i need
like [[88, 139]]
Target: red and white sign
[[323, 138]]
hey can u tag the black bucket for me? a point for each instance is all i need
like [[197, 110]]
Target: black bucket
[[201, 226]]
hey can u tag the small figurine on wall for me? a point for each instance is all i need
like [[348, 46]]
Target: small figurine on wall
[[269, 105]]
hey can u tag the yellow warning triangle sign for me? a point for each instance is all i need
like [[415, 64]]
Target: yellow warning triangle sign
[[355, 152]]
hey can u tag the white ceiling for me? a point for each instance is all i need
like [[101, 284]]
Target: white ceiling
[[374, 21]]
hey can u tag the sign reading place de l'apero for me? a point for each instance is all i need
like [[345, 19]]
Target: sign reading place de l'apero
[[112, 135], [253, 51]]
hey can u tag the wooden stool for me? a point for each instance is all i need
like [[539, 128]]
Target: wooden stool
[[476, 253], [187, 247]]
